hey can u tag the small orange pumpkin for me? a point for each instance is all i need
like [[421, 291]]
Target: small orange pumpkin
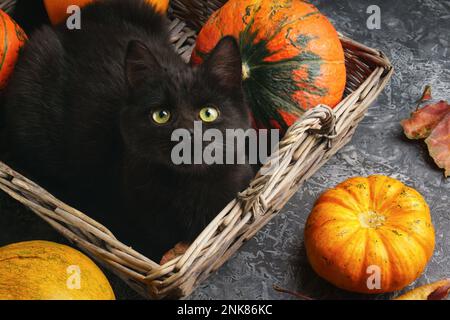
[[366, 226], [12, 38], [292, 57], [57, 9]]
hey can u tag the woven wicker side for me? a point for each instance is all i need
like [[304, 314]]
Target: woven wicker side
[[7, 5], [194, 12], [309, 143]]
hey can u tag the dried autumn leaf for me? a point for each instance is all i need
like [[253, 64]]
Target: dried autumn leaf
[[424, 120], [439, 144], [179, 249], [426, 95], [435, 291]]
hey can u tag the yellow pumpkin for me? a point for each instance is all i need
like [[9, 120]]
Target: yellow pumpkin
[[57, 9], [370, 235], [41, 270]]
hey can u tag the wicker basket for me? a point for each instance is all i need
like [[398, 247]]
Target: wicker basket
[[308, 144]]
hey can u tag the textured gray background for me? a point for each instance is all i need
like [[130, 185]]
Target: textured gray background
[[415, 35]]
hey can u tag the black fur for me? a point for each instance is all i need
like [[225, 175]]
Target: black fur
[[78, 120]]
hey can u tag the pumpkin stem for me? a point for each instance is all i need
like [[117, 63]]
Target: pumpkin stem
[[371, 219]]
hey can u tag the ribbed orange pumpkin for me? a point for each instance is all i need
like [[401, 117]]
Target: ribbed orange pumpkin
[[12, 38], [42, 270], [57, 9], [363, 222], [292, 57]]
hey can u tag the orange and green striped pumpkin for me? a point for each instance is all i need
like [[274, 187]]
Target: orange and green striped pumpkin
[[12, 38], [57, 9], [292, 57]]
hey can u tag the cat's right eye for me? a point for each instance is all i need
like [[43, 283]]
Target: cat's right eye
[[161, 116]]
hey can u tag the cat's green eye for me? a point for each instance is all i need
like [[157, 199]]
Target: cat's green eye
[[161, 116], [209, 114]]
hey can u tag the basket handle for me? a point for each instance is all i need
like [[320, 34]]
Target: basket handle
[[325, 128], [319, 122]]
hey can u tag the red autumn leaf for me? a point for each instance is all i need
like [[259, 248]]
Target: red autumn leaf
[[426, 95], [424, 120], [435, 291], [441, 292], [439, 144]]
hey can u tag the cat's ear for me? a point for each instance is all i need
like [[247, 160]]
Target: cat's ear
[[140, 63], [224, 63]]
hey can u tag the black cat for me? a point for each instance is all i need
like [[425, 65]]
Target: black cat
[[89, 114]]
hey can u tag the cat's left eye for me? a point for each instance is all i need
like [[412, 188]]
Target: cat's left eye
[[161, 116], [209, 114]]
